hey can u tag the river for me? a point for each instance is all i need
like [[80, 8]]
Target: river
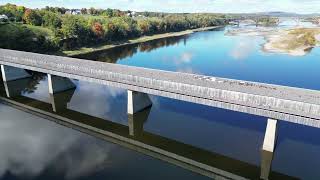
[[36, 148]]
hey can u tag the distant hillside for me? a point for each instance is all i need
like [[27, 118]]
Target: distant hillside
[[279, 14]]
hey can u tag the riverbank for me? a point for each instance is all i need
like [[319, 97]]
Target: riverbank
[[295, 41], [86, 50]]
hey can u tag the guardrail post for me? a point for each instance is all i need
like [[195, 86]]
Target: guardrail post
[[137, 101], [268, 148], [12, 73]]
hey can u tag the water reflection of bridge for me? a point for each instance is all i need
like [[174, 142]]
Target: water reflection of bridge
[[133, 137]]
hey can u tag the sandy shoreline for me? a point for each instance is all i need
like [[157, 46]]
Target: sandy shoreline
[[86, 50], [294, 41], [273, 45]]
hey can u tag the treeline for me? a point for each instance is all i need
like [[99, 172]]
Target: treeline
[[266, 21], [94, 26]]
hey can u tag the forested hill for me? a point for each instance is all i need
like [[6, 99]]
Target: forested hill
[[53, 29]]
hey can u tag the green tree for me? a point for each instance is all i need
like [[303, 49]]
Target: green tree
[[84, 11], [108, 12], [70, 27], [143, 26], [76, 31], [51, 19], [93, 11]]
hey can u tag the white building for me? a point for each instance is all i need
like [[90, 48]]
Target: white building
[[3, 17], [132, 14], [74, 12]]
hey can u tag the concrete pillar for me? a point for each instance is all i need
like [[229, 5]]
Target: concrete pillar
[[59, 84], [268, 148], [136, 122], [137, 101], [12, 73]]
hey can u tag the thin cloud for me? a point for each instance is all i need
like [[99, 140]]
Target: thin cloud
[[242, 50]]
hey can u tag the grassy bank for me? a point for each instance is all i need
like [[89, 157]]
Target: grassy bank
[[85, 50], [10, 29]]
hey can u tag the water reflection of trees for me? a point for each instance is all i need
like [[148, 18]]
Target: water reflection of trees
[[34, 82], [122, 52]]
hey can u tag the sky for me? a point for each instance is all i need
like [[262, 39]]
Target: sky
[[217, 6]]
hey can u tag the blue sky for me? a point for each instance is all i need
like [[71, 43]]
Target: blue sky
[[235, 6]]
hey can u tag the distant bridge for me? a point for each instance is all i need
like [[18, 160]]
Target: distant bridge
[[255, 20], [301, 106]]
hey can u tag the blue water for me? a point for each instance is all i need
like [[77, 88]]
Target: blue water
[[238, 57], [235, 135]]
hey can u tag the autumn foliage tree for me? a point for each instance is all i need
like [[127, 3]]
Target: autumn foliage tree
[[32, 17], [98, 29], [51, 19]]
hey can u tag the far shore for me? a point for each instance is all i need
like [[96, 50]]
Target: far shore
[[296, 41], [86, 50]]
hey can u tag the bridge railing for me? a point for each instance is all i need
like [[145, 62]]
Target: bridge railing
[[278, 102]]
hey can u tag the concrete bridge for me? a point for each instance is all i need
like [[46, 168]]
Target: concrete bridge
[[301, 106]]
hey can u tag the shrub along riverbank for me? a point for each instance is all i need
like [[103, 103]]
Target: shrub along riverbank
[[26, 38], [53, 29]]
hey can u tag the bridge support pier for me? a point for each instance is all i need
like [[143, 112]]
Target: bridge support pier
[[12, 73], [59, 84], [137, 101], [268, 148]]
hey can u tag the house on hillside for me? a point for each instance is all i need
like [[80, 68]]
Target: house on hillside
[[74, 12], [77, 11], [3, 17], [132, 14]]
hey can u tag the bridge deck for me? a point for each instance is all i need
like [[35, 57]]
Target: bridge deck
[[274, 101]]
